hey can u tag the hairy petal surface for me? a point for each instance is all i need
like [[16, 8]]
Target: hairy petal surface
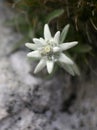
[[56, 49], [37, 41], [57, 37], [67, 45], [40, 66], [67, 68], [34, 54], [31, 46], [42, 41], [63, 58], [50, 66], [47, 33]]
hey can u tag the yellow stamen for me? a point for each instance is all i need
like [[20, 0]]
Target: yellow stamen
[[47, 49]]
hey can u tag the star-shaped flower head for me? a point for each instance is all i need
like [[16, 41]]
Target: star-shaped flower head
[[49, 50]]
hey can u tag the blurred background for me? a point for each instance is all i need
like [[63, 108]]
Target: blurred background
[[49, 102]]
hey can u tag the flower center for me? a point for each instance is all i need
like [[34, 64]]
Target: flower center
[[46, 50]]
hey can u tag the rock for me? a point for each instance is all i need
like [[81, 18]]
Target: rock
[[3, 113], [25, 120], [30, 102], [21, 66]]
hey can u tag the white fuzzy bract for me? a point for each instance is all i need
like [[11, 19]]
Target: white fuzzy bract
[[49, 51]]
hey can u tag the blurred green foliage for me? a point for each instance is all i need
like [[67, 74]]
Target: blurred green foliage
[[80, 14]]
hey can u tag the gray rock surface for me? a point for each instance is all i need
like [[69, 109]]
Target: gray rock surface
[[32, 102]]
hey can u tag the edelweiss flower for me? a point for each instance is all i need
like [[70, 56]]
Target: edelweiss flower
[[49, 51]]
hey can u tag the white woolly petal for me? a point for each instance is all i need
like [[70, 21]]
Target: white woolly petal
[[50, 66], [63, 58], [47, 33], [76, 69], [34, 54], [56, 49], [31, 46], [42, 41], [68, 68], [37, 41], [40, 66], [57, 37], [67, 45]]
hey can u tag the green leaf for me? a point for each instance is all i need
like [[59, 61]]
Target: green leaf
[[54, 14], [82, 48], [64, 33]]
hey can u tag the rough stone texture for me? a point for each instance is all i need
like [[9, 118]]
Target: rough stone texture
[[30, 102]]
